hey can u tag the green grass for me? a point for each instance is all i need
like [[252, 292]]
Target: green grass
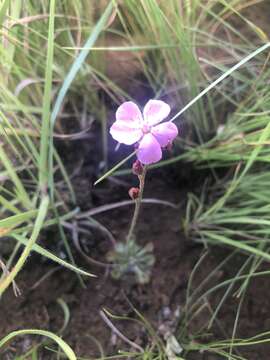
[[62, 344], [26, 146], [185, 34], [52, 67]]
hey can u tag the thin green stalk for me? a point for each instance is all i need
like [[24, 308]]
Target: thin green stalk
[[64, 346], [46, 129], [138, 203], [221, 78], [117, 166]]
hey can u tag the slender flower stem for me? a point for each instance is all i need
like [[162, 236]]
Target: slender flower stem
[[138, 203]]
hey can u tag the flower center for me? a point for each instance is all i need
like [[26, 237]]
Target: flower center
[[146, 128]]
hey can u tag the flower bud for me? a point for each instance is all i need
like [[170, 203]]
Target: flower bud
[[137, 168], [134, 193]]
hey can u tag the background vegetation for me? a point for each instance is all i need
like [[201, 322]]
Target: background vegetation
[[63, 60]]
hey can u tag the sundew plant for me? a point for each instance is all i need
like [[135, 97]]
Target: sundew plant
[[150, 136], [134, 176]]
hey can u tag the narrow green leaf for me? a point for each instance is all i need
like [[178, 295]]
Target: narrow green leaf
[[110, 172], [45, 127], [7, 280], [15, 220], [238, 244], [221, 78], [76, 66], [63, 345], [41, 251], [3, 10]]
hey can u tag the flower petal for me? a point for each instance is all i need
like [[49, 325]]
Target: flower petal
[[155, 111], [165, 132], [123, 133], [149, 150], [130, 113]]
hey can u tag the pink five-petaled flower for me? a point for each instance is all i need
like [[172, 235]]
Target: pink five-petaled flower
[[131, 126]]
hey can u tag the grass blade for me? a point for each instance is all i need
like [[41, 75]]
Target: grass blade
[[221, 78], [76, 66], [41, 251], [64, 346], [42, 212], [45, 129]]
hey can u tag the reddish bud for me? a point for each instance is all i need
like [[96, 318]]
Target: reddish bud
[[137, 168], [134, 193]]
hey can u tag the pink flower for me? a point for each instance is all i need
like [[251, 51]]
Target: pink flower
[[131, 126]]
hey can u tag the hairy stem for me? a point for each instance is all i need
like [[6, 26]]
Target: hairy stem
[[138, 203]]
